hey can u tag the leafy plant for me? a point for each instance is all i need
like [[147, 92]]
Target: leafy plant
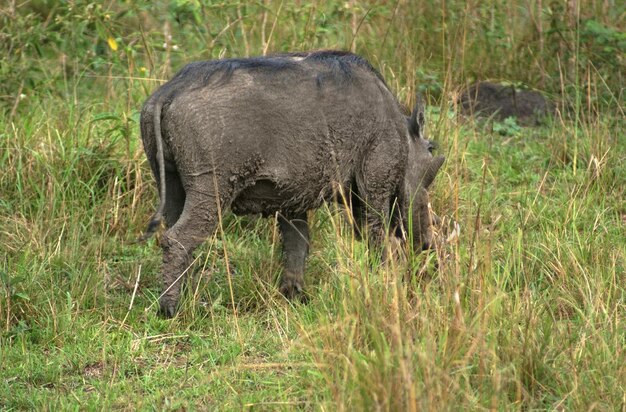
[[507, 127], [605, 45], [13, 294]]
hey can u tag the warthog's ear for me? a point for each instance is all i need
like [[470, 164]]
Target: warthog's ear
[[431, 171], [416, 121]]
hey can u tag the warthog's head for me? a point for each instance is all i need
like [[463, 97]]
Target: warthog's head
[[421, 170]]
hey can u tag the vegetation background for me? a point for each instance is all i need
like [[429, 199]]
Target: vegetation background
[[527, 310]]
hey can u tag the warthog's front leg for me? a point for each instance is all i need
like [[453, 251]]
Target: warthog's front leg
[[295, 235]]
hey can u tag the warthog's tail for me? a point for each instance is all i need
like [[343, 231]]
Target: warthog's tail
[[158, 216]]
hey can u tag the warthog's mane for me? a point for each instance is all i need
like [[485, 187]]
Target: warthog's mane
[[341, 66], [337, 59]]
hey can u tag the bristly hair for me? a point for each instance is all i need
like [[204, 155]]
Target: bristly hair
[[345, 59], [341, 65], [201, 73]]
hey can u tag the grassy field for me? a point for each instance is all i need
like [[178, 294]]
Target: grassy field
[[526, 311]]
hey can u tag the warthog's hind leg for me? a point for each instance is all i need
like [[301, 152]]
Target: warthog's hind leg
[[196, 223], [295, 236]]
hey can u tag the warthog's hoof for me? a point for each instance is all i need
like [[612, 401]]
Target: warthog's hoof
[[167, 310], [291, 288]]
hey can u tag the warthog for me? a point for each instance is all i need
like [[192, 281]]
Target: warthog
[[279, 135]]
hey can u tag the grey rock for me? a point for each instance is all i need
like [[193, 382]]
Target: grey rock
[[488, 99]]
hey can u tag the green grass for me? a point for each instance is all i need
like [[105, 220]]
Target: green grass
[[526, 311]]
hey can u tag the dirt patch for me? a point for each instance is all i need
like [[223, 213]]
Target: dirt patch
[[94, 370]]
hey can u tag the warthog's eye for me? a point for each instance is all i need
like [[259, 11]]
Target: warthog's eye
[[431, 146]]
